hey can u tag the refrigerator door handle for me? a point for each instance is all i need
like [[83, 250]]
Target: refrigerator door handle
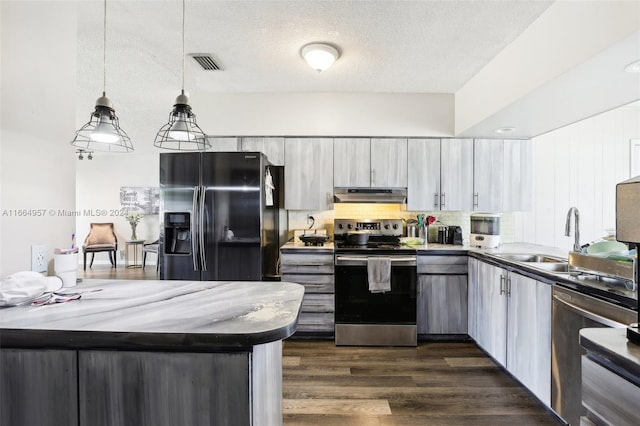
[[201, 236], [194, 226]]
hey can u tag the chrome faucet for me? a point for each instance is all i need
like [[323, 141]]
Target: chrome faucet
[[567, 228]]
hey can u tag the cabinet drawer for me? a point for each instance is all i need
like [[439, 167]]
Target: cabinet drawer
[[442, 264], [307, 263], [320, 303], [316, 322], [312, 283]]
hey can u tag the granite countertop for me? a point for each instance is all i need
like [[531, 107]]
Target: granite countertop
[[610, 347], [158, 315]]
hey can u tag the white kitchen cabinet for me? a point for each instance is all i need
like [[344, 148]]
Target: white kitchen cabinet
[[529, 334], [502, 175], [388, 163], [273, 148], [351, 162], [223, 144], [488, 175], [518, 175], [492, 311], [308, 174], [440, 174]]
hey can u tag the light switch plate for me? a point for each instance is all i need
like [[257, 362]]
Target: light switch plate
[[39, 258]]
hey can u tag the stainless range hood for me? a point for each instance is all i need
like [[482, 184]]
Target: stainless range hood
[[370, 195]]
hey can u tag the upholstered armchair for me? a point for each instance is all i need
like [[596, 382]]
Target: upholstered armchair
[[150, 248], [101, 238]]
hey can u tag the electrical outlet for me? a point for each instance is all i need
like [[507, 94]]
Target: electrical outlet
[[39, 258]]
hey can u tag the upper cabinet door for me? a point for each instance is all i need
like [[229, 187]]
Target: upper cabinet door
[[456, 174], [308, 174], [224, 144], [273, 148], [488, 174], [389, 163], [423, 166], [518, 175], [351, 162]]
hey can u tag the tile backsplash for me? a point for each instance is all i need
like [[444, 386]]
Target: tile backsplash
[[324, 219]]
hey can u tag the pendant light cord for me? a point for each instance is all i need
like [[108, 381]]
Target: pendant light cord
[[183, 54], [104, 52]]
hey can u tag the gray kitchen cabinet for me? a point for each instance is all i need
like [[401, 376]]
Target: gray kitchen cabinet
[[351, 162], [312, 268], [518, 175], [472, 289], [38, 387], [308, 174], [442, 295], [488, 175], [423, 169], [224, 144], [514, 325], [502, 175], [388, 163], [440, 174], [273, 148], [529, 334]]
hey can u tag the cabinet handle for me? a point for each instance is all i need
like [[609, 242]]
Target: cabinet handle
[[509, 287], [435, 200], [501, 284], [475, 199], [443, 199], [373, 177]]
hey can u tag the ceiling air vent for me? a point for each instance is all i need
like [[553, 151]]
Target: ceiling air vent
[[206, 61]]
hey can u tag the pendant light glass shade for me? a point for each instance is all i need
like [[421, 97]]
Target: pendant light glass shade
[[103, 132], [182, 133]]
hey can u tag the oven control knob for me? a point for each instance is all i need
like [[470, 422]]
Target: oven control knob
[[340, 226], [349, 226], [395, 226], [386, 227]]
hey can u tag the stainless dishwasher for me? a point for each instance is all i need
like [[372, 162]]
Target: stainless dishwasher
[[573, 311]]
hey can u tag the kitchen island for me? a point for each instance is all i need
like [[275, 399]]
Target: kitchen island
[[149, 353]]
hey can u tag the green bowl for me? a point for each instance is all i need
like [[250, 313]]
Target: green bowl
[[606, 248]]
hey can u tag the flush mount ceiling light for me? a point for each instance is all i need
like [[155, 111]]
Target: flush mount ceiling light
[[319, 56], [182, 133], [505, 129], [633, 67], [103, 132]]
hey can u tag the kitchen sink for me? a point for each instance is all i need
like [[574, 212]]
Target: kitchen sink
[[559, 266], [532, 258]]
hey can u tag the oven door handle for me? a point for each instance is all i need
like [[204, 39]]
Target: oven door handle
[[409, 261]]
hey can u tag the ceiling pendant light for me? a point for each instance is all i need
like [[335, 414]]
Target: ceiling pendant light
[[103, 132], [319, 56], [182, 133]]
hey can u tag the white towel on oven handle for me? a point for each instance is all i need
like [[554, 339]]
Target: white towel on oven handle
[[379, 274]]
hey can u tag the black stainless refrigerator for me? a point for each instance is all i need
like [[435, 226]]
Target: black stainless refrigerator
[[220, 216]]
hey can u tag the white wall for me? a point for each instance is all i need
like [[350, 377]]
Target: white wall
[[579, 165], [37, 165]]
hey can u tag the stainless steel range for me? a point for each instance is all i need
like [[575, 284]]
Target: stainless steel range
[[365, 314]]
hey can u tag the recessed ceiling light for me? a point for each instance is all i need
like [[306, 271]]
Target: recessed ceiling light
[[505, 129], [633, 66], [319, 56]]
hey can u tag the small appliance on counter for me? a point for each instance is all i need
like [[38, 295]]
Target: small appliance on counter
[[485, 230], [628, 231]]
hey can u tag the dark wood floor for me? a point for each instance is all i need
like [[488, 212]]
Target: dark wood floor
[[101, 271], [433, 384]]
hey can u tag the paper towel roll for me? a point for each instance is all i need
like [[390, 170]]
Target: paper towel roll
[[66, 268]]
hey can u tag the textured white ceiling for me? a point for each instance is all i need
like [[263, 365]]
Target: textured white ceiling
[[387, 46]]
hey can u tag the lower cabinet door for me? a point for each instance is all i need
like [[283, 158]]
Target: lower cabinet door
[[38, 387], [163, 389], [442, 304]]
